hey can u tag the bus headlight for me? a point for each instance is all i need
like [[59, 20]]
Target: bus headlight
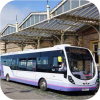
[[70, 79]]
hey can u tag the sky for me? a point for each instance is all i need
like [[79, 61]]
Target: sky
[[22, 9]]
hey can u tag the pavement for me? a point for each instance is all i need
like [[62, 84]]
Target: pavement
[[16, 90]]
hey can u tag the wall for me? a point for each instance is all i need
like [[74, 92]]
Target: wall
[[71, 40], [88, 36]]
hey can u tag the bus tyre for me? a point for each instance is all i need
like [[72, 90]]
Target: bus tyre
[[7, 78], [43, 85]]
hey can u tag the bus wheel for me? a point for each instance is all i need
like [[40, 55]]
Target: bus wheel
[[7, 78], [43, 85]]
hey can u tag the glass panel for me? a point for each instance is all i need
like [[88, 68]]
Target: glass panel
[[28, 22], [55, 61], [32, 19], [75, 3], [41, 17], [95, 47], [45, 17], [42, 60], [8, 30], [84, 2], [31, 65], [24, 25], [38, 60], [14, 64], [59, 10], [36, 18], [67, 5], [59, 67], [3, 61], [11, 29], [22, 64], [81, 63], [8, 62], [95, 53], [14, 29], [54, 14], [96, 58]]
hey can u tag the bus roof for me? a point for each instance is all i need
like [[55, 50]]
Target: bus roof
[[56, 47]]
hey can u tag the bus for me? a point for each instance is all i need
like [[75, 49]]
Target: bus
[[62, 67]]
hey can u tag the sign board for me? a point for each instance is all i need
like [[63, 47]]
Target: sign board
[[98, 51]]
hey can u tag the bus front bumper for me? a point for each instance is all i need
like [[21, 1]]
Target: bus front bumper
[[72, 87]]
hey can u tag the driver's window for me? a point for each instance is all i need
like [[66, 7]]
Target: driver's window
[[59, 65], [56, 63]]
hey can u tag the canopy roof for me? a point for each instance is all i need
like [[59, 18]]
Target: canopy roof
[[68, 23]]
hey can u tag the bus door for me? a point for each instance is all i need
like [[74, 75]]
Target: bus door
[[59, 72]]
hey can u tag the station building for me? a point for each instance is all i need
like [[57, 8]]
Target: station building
[[69, 22]]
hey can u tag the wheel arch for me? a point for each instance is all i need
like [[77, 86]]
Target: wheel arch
[[41, 79]]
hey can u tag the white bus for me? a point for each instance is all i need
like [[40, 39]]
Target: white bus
[[62, 67]]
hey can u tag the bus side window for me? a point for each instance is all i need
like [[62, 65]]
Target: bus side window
[[31, 64], [8, 62], [4, 63], [14, 64], [55, 61], [22, 64], [42, 60]]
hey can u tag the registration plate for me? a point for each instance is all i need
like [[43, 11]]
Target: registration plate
[[85, 89]]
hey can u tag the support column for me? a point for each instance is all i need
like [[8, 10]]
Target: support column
[[62, 38], [38, 46], [22, 46], [5, 47], [2, 47], [54, 42], [80, 41]]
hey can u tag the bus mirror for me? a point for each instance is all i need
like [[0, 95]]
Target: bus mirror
[[59, 59]]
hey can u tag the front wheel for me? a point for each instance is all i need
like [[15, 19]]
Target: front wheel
[[43, 85]]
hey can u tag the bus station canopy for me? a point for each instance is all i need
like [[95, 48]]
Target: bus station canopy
[[68, 23]]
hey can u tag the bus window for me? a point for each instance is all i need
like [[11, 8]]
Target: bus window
[[31, 64], [3, 61], [14, 64], [59, 65], [42, 60], [43, 64], [81, 63], [22, 64], [8, 62], [55, 61]]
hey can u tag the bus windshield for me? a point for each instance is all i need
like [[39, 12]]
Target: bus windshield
[[81, 63]]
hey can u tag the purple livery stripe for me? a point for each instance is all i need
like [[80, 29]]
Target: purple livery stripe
[[52, 86]]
